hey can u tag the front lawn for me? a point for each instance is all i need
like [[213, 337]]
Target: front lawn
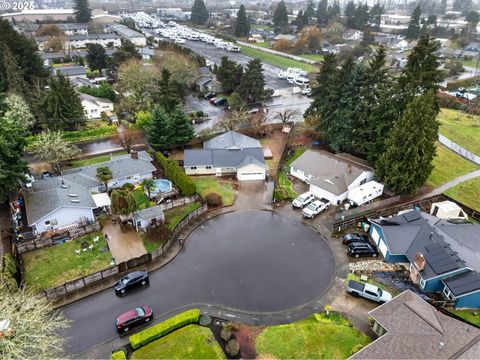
[[189, 342], [465, 131], [467, 193], [314, 57], [470, 316], [52, 266], [175, 215], [277, 60], [447, 166], [316, 337], [207, 185]]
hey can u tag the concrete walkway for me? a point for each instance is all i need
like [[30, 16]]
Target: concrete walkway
[[441, 189], [123, 245]]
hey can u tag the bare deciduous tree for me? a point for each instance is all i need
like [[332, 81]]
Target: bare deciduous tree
[[286, 115]]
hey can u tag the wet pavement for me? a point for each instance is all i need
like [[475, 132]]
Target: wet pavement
[[215, 113], [253, 261]]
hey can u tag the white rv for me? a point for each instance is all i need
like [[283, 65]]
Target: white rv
[[365, 193]]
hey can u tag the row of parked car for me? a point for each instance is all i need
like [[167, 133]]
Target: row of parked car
[[310, 205], [359, 245]]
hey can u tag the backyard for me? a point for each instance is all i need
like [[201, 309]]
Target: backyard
[[470, 316], [464, 130], [318, 336], [92, 160], [284, 190], [142, 199], [55, 265], [467, 193], [175, 215], [189, 342], [448, 166], [208, 185]]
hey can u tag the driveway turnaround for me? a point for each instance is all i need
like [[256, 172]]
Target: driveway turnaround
[[250, 261]]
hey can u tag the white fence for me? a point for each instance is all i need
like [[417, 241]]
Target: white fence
[[458, 149]]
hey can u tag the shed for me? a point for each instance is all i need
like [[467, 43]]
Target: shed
[[146, 218], [447, 210]]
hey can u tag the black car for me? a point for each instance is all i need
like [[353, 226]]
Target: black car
[[130, 281], [220, 102], [47, 175], [209, 95], [357, 249], [354, 237]]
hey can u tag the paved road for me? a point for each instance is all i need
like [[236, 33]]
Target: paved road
[[255, 261]]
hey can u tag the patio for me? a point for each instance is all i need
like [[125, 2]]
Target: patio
[[123, 245]]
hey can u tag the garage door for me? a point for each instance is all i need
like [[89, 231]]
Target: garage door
[[244, 176], [383, 248], [375, 235]]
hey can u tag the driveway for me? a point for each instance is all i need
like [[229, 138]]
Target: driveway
[[215, 113], [253, 195], [123, 245]]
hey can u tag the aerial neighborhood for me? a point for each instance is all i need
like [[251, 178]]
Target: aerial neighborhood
[[240, 180]]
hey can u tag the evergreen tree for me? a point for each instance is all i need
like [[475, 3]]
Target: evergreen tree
[[181, 129], [309, 15], [350, 11], [322, 14], [361, 17], [280, 17], [299, 20], [410, 147], [333, 10], [229, 74], [472, 19], [200, 13], [413, 30], [165, 96], [376, 15], [62, 106], [242, 25], [252, 86], [82, 11], [159, 131], [96, 56], [13, 74]]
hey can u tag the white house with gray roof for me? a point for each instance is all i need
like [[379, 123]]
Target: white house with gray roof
[[93, 106], [331, 176], [70, 199], [231, 153]]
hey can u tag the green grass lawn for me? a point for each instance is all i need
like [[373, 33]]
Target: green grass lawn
[[189, 342], [277, 60], [175, 215], [55, 265], [286, 184], [470, 63], [316, 337], [467, 193], [464, 131], [91, 161], [315, 57], [448, 166], [207, 185], [265, 44], [468, 316]]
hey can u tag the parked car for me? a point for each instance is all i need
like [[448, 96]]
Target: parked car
[[354, 237], [131, 280], [307, 91], [315, 208], [368, 291], [133, 318], [47, 175], [29, 180], [357, 249], [303, 200], [212, 100], [209, 95], [220, 102]]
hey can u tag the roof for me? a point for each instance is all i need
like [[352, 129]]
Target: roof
[[93, 99], [72, 26], [416, 330], [224, 158], [232, 140], [121, 167], [125, 31], [78, 82], [51, 194], [203, 80], [80, 37], [153, 212], [331, 172], [101, 199], [69, 70], [464, 283]]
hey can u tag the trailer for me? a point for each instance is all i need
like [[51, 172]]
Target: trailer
[[365, 193]]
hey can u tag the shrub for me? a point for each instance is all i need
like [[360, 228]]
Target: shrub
[[200, 113], [280, 194], [174, 173], [128, 186], [157, 331], [356, 348], [226, 333], [232, 347], [9, 265], [449, 101], [214, 199], [118, 355]]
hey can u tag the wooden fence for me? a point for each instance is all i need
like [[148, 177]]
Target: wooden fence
[[169, 204], [83, 282]]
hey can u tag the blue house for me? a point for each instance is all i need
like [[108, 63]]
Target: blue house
[[444, 256]]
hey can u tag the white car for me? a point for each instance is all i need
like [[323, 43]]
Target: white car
[[281, 75], [307, 91], [315, 208], [179, 41], [303, 200]]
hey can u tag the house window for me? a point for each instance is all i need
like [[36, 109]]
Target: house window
[[193, 168], [448, 294], [208, 167], [51, 222]]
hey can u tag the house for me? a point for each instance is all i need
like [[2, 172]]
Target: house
[[331, 176], [71, 72], [353, 35], [78, 82], [72, 28], [410, 328], [443, 256], [93, 106], [231, 153], [149, 217], [80, 41], [135, 37]]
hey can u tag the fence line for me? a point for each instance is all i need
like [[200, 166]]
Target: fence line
[[459, 149], [169, 204], [85, 281]]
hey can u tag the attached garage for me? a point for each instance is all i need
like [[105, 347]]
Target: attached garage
[[251, 172]]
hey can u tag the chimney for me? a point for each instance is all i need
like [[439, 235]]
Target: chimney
[[420, 261], [134, 154]]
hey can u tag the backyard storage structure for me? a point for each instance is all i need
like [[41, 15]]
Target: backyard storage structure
[[149, 217], [365, 193], [448, 210]]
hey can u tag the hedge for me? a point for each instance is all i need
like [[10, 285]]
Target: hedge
[[465, 83], [175, 173], [157, 331], [118, 355]]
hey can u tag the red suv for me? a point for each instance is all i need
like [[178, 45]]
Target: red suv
[[133, 318]]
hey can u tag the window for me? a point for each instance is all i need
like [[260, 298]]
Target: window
[[51, 222], [422, 283], [363, 181], [193, 168], [208, 167]]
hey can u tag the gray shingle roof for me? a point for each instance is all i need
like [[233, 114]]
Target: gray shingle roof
[[416, 330], [93, 99], [223, 158], [231, 139], [464, 283], [69, 70], [153, 212], [125, 31]]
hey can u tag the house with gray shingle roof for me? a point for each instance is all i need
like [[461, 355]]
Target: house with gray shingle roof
[[331, 176], [410, 328], [230, 153]]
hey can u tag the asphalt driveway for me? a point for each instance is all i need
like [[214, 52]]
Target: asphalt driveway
[[253, 261]]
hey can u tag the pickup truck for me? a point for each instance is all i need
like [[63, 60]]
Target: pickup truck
[[368, 291], [315, 208]]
